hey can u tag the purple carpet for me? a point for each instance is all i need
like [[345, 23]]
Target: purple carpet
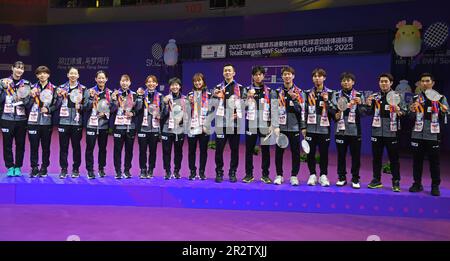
[[58, 222]]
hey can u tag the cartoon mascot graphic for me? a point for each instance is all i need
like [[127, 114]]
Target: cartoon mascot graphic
[[407, 42]]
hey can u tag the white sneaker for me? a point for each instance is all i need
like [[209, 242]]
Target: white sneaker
[[356, 185], [312, 180], [323, 180], [341, 183], [294, 181], [278, 180]]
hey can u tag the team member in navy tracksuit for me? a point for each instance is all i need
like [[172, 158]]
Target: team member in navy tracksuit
[[173, 128], [40, 121], [426, 135], [320, 111], [228, 114], [348, 129], [385, 126], [124, 118], [257, 124], [148, 125], [70, 122], [98, 124], [13, 118], [288, 119], [198, 124]]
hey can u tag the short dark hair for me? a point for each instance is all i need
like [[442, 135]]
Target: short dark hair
[[287, 69], [426, 74], [229, 64], [258, 69], [71, 67], [42, 69], [347, 75], [319, 71], [387, 75], [99, 72], [18, 64], [174, 80]]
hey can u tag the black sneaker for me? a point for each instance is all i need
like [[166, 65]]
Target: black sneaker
[[143, 174], [75, 173], [232, 176], [192, 175], [168, 175], [416, 187], [201, 174], [150, 174], [396, 186], [63, 174], [43, 172], [248, 178], [266, 180], [91, 175], [118, 174], [374, 184], [127, 174], [34, 172], [219, 177], [101, 173], [435, 191], [176, 173]]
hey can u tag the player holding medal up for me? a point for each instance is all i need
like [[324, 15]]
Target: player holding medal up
[[14, 95], [257, 125], [148, 125], [41, 106], [320, 110], [70, 129], [198, 124], [386, 107], [124, 118], [174, 118], [348, 128], [97, 106], [229, 112], [429, 110], [288, 114]]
